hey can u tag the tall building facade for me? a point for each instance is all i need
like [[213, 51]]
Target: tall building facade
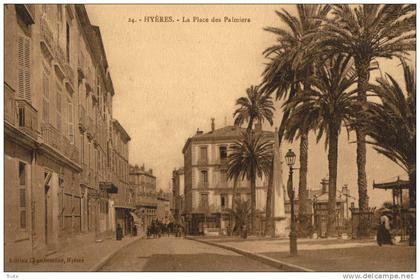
[[144, 186], [124, 199], [208, 192], [58, 95], [178, 189]]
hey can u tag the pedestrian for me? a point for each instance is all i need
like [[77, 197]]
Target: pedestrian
[[383, 235], [119, 232]]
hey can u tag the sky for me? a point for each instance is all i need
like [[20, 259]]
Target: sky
[[171, 78]]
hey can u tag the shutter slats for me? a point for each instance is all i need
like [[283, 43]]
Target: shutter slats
[[24, 68]]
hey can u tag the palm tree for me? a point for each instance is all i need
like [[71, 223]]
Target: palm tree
[[391, 125], [241, 212], [291, 62], [328, 105], [367, 32], [256, 106], [250, 157]]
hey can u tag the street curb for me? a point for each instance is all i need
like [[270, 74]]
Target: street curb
[[105, 259], [267, 260]]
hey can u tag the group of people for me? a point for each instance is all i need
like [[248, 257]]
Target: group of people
[[157, 229]]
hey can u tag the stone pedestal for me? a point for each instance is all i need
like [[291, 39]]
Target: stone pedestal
[[279, 216]]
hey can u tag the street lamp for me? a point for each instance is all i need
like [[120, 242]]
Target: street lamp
[[290, 161]]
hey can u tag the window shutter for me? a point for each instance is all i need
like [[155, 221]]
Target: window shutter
[[70, 119], [45, 100], [24, 68], [58, 103]]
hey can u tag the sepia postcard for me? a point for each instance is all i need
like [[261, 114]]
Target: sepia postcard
[[210, 138]]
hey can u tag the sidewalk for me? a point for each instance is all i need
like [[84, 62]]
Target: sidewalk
[[325, 254], [83, 257]]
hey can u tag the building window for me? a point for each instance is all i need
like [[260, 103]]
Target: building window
[[24, 68], [204, 200], [82, 148], [22, 196], [203, 153], [58, 108], [45, 99], [223, 152], [223, 176], [204, 177], [223, 200], [68, 42], [70, 122], [59, 13]]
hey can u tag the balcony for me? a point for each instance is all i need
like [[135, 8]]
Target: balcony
[[91, 128], [26, 12], [27, 117], [203, 185], [202, 161], [47, 39], [53, 138], [223, 162], [60, 61], [81, 74], [82, 118], [9, 105], [69, 81]]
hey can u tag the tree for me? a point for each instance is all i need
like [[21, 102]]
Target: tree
[[328, 105], [391, 125], [367, 32], [291, 62], [250, 157], [241, 212], [256, 106]]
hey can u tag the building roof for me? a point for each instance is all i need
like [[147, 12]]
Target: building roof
[[229, 132], [121, 129], [398, 184], [136, 170], [95, 44]]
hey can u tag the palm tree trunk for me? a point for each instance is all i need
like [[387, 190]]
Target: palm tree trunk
[[303, 160], [303, 174], [332, 180], [362, 68], [253, 201]]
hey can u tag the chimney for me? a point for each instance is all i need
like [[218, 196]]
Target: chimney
[[151, 171], [142, 167], [212, 125], [324, 184], [258, 127], [199, 132]]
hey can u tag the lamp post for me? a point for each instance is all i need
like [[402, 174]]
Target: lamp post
[[290, 160]]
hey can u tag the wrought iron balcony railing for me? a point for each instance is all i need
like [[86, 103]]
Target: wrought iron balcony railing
[[59, 142], [202, 161]]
